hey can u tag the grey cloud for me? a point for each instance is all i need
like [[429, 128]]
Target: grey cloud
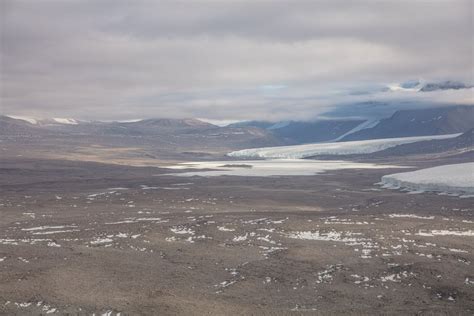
[[120, 59]]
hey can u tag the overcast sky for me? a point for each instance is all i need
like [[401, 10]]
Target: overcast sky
[[115, 59]]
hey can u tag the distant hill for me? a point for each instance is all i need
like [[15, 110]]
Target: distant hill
[[17, 127], [170, 138], [76, 127], [170, 124], [420, 122]]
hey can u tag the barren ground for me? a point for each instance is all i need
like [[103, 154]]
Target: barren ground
[[83, 238]]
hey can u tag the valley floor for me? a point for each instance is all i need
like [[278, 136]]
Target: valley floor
[[84, 238]]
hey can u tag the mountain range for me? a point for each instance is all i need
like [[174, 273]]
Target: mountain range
[[184, 138], [402, 123]]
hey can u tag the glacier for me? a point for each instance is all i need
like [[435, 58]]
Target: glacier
[[456, 179], [333, 148]]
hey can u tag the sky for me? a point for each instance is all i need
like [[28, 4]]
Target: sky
[[227, 60]]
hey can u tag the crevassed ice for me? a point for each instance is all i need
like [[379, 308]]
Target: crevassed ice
[[334, 148]]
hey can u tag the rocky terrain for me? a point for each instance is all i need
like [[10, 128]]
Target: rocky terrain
[[86, 237]]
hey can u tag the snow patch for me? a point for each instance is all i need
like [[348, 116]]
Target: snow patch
[[409, 216], [67, 121], [346, 238], [100, 241], [364, 125], [225, 229], [56, 232], [48, 227], [182, 230], [24, 118], [431, 233], [240, 238]]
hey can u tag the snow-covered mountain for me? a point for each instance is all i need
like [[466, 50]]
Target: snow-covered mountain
[[423, 86], [52, 121]]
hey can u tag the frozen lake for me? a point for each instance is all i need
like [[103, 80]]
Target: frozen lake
[[270, 167]]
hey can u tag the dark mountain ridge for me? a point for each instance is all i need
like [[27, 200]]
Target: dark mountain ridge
[[301, 132], [420, 122]]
